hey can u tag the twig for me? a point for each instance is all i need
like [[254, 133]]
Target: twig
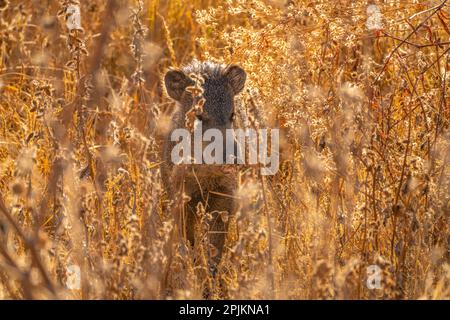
[[269, 224], [29, 244], [437, 8], [419, 46], [397, 195]]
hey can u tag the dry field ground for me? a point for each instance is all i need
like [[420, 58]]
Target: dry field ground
[[358, 88]]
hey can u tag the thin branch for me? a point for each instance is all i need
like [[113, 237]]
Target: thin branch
[[388, 59], [30, 244]]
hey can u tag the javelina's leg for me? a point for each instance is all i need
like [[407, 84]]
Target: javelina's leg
[[220, 207], [190, 218]]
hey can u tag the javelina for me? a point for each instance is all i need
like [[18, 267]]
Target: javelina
[[212, 185]]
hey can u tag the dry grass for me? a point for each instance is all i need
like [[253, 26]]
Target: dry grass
[[365, 168]]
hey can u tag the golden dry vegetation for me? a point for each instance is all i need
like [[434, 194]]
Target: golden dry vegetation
[[359, 89]]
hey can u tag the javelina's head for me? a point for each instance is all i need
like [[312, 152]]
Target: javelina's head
[[221, 84]]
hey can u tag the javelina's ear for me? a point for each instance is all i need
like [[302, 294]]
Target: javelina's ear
[[236, 77], [176, 82]]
